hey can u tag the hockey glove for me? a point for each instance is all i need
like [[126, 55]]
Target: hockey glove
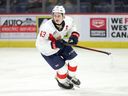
[[58, 44], [73, 39]]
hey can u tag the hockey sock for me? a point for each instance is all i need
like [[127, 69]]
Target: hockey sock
[[72, 70], [61, 74], [72, 67]]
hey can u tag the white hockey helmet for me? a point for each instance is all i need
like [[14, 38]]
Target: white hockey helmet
[[59, 9]]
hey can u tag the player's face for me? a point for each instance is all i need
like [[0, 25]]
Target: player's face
[[58, 18]]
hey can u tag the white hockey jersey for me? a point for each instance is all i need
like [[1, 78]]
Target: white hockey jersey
[[43, 43]]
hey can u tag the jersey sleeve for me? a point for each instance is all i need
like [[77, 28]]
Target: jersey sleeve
[[43, 43], [73, 27], [72, 24]]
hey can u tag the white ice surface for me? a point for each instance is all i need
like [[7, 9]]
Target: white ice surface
[[23, 72]]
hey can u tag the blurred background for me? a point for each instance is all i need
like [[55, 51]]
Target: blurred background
[[23, 71], [72, 6]]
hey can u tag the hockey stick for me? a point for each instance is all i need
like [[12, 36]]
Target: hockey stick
[[108, 53]]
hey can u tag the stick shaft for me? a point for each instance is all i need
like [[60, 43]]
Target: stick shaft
[[89, 49]]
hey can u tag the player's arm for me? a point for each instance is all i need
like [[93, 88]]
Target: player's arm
[[43, 43], [47, 42], [74, 34]]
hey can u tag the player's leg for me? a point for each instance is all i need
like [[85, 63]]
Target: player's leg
[[72, 69], [70, 56], [62, 79], [58, 64]]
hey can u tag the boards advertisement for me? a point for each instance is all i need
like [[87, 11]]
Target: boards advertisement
[[103, 27], [96, 30], [18, 27]]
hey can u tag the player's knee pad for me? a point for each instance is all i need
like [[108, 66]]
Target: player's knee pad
[[68, 53]]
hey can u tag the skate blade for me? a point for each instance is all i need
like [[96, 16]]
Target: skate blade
[[78, 86], [67, 89]]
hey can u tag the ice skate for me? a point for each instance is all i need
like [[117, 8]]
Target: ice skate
[[65, 85], [76, 82]]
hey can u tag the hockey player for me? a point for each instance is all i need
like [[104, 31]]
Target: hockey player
[[52, 47]]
